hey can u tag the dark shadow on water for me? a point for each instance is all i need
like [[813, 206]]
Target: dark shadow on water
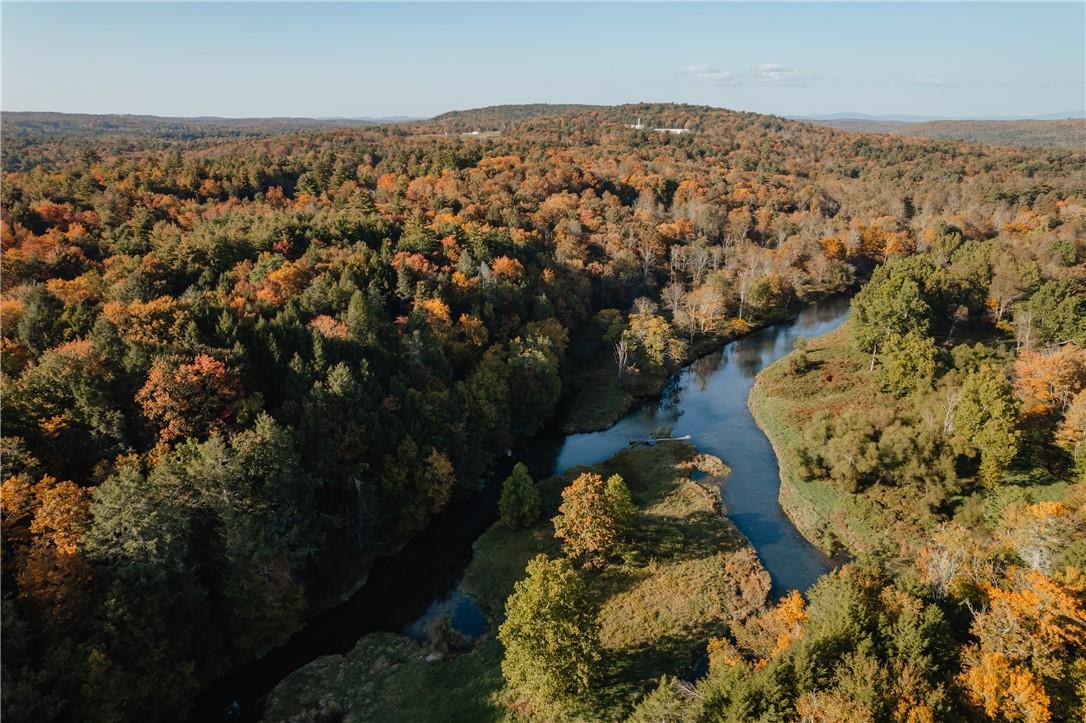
[[464, 614], [400, 588], [764, 529]]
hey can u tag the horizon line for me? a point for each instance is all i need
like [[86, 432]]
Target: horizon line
[[407, 118]]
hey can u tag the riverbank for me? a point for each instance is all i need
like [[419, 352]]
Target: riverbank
[[687, 572], [784, 402], [781, 401], [891, 515], [707, 399], [885, 517], [597, 399]]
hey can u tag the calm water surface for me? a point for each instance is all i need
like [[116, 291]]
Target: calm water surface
[[708, 401]]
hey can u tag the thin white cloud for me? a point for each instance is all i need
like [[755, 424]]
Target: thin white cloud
[[720, 78], [770, 73], [712, 74], [778, 74]]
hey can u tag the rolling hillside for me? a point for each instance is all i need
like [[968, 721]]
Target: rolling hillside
[[1066, 133]]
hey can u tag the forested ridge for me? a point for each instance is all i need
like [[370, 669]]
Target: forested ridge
[[234, 367], [1069, 133]]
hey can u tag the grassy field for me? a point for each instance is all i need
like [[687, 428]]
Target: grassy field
[[686, 572]]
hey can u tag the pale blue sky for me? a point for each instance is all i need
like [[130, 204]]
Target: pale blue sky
[[318, 59]]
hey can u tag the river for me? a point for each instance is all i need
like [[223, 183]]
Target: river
[[707, 400]]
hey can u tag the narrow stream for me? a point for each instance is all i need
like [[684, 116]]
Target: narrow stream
[[707, 400]]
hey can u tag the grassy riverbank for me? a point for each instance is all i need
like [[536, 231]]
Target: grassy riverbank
[[783, 402], [598, 399], [687, 572], [885, 518]]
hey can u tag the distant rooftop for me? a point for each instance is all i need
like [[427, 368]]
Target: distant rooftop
[[640, 126]]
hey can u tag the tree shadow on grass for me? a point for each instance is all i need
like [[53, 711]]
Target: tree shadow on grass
[[693, 536], [631, 672]]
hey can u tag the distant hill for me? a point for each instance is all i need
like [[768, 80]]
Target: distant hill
[[1069, 133], [906, 118], [391, 118], [863, 125], [497, 117], [1066, 133], [831, 118], [47, 124]]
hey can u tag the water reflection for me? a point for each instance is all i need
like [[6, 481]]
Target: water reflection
[[703, 369], [750, 359], [708, 400], [464, 616]]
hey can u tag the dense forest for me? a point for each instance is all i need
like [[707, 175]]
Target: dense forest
[[238, 363]]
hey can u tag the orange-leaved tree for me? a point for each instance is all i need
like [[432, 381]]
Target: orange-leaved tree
[[190, 399], [586, 521]]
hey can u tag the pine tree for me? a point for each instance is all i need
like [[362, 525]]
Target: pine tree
[[622, 506], [519, 503], [985, 422], [907, 364]]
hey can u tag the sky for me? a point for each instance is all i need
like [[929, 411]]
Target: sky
[[419, 59]]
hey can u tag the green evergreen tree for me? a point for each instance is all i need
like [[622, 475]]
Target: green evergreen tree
[[622, 506], [1057, 312], [519, 503], [907, 364], [985, 422], [891, 303], [662, 704], [38, 327]]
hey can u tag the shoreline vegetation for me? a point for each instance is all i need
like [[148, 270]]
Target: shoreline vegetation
[[686, 574], [773, 405], [597, 400], [652, 386], [886, 521]]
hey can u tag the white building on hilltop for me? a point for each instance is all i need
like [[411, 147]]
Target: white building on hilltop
[[641, 126]]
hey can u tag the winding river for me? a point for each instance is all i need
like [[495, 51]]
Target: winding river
[[707, 400]]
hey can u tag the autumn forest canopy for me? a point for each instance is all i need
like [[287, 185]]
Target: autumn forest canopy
[[241, 361]]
